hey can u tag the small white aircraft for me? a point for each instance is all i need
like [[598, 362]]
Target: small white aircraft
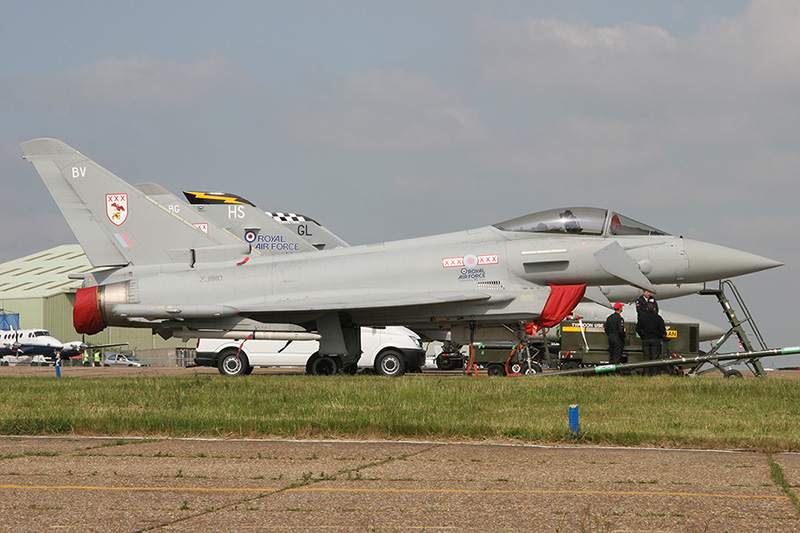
[[23, 345]]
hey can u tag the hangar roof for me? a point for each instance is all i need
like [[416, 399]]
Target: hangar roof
[[43, 274]]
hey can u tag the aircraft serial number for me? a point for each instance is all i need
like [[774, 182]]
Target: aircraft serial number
[[210, 279]]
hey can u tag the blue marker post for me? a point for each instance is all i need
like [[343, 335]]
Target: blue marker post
[[573, 419], [58, 365]]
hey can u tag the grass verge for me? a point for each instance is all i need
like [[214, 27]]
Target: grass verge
[[753, 414]]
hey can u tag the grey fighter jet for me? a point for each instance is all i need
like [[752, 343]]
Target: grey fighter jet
[[167, 273], [242, 217], [267, 230]]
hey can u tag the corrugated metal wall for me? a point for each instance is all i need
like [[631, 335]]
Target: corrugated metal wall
[[30, 311], [58, 318], [55, 315]]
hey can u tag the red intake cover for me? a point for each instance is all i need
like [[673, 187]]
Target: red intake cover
[[86, 313], [560, 303]]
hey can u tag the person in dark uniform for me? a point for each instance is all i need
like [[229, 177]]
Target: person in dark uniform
[[652, 331], [615, 329], [643, 300]]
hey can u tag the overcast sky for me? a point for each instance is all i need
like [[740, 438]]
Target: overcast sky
[[395, 119]]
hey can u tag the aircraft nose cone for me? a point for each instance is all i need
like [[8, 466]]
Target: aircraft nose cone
[[708, 262], [710, 332]]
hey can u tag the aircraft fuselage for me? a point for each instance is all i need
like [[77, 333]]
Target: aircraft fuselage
[[494, 275]]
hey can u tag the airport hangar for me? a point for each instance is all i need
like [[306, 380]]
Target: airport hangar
[[37, 287]]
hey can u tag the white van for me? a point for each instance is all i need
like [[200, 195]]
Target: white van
[[389, 351]]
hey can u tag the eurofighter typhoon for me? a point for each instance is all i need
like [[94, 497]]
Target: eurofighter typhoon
[[181, 274]]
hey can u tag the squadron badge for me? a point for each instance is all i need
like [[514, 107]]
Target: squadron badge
[[117, 208]]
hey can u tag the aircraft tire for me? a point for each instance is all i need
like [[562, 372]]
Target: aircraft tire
[[231, 365], [496, 369], [514, 367], [533, 370], [733, 373], [390, 363], [449, 362], [443, 362], [322, 365]]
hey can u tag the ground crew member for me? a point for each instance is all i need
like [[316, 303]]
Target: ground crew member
[[643, 300], [615, 330], [85, 359], [96, 359], [652, 330]]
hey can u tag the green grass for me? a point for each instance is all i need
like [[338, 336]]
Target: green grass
[[754, 414]]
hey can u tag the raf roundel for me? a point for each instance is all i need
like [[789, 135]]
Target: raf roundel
[[470, 261], [250, 236]]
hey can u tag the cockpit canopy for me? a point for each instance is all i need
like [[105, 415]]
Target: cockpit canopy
[[579, 221]]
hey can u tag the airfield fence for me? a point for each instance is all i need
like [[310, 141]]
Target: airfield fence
[[180, 357]]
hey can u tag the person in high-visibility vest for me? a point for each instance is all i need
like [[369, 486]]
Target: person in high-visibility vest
[[97, 359], [85, 359]]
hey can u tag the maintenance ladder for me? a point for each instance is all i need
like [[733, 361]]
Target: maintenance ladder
[[738, 324]]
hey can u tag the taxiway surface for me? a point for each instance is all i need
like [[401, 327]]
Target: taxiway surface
[[110, 484]]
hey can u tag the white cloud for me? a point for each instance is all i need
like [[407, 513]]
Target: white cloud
[[631, 65], [138, 84], [386, 110], [633, 106], [556, 59], [574, 145]]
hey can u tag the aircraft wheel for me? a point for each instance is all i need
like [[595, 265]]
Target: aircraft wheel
[[495, 369], [733, 373], [390, 363], [231, 365], [322, 365], [514, 368], [533, 370], [444, 362], [249, 370]]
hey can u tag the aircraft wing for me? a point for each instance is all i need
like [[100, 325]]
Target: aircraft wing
[[304, 303], [362, 299], [75, 348]]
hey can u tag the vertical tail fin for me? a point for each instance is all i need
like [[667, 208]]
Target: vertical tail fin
[[270, 233], [115, 223]]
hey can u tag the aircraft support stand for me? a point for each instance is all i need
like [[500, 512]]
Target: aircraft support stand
[[737, 327]]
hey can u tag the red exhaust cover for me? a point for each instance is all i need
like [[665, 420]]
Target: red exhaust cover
[[86, 313]]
